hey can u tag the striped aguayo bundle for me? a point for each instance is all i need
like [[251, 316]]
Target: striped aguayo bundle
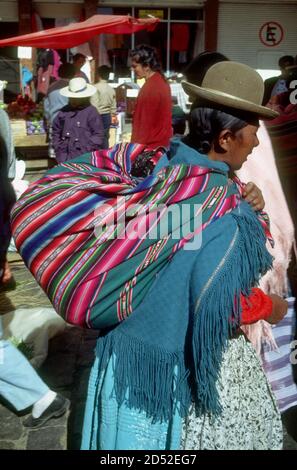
[[283, 134], [68, 228], [278, 363]]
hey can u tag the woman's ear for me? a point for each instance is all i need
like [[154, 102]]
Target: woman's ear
[[225, 138]]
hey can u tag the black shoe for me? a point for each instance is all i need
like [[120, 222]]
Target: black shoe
[[56, 409]]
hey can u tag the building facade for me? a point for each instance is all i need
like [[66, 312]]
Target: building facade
[[256, 32]]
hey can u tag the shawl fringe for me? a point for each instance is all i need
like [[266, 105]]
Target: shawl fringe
[[156, 381], [218, 314], [146, 378]]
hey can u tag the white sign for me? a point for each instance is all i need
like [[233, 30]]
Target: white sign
[[132, 93], [24, 52]]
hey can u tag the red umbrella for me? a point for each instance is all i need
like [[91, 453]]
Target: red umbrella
[[74, 34]]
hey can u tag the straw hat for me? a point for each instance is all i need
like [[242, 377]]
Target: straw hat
[[232, 85], [78, 88]]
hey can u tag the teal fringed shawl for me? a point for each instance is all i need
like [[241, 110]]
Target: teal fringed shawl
[[169, 351]]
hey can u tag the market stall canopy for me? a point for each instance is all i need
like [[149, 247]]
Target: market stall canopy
[[65, 37]]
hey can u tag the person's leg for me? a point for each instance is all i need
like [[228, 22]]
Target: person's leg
[[19, 383], [22, 387]]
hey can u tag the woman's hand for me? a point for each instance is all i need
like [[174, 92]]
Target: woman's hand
[[253, 196], [279, 309]]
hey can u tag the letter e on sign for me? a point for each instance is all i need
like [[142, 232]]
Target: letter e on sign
[[271, 34]]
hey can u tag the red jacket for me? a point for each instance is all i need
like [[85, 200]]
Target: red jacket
[[152, 116]]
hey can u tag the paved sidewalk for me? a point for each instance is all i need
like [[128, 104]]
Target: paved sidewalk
[[65, 370]]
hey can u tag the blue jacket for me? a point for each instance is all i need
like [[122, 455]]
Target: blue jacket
[[77, 131], [54, 101]]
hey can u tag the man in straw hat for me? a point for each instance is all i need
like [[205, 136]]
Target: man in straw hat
[[78, 127]]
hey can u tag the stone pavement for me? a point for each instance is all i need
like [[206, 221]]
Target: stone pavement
[[70, 356], [65, 370]]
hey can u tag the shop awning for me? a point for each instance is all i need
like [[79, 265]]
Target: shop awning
[[78, 33]]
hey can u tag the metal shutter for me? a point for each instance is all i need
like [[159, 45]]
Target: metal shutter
[[238, 32], [9, 11]]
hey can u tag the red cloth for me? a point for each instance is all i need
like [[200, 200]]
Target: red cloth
[[152, 117], [64, 37], [258, 306], [180, 37]]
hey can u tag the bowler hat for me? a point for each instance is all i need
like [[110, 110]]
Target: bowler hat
[[231, 85]]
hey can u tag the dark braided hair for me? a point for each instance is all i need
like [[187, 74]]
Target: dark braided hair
[[206, 124], [146, 56], [143, 164]]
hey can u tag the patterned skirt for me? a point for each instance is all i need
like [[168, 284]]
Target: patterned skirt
[[250, 419]]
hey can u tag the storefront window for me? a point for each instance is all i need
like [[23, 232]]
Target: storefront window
[[177, 38], [161, 13], [122, 11], [186, 14], [114, 48], [9, 63], [156, 39]]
